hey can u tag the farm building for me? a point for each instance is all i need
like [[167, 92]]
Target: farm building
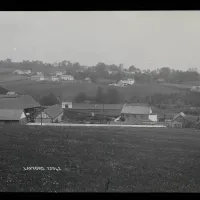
[[181, 121], [137, 114], [23, 102], [51, 114], [67, 77], [27, 71], [12, 116]]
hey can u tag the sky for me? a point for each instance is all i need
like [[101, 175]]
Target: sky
[[145, 39]]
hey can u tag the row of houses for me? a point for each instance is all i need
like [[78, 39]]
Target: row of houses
[[123, 83], [52, 78], [22, 72]]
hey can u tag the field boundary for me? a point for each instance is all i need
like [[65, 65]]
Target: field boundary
[[96, 125]]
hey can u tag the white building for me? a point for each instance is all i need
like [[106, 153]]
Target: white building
[[54, 78], [195, 89], [27, 71], [66, 105], [18, 72], [126, 82], [67, 77], [11, 93], [58, 73]]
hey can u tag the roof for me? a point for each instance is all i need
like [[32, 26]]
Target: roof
[[10, 114], [17, 102], [178, 115], [53, 111], [137, 110], [97, 106]]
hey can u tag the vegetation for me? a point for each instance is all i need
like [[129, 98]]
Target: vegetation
[[99, 159], [49, 100]]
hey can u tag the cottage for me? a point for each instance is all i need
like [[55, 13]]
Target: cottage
[[195, 89], [138, 114], [67, 77], [12, 116], [52, 114]]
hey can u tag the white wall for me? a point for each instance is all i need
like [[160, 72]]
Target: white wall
[[153, 118]]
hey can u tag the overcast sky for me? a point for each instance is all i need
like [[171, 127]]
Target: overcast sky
[[145, 39]]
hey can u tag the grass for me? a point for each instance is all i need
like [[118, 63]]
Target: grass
[[72, 89], [105, 159]]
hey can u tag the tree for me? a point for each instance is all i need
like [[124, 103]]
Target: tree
[[49, 100], [112, 96], [80, 97], [132, 68], [100, 95]]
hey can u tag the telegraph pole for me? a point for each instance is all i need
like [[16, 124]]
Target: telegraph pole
[[41, 116]]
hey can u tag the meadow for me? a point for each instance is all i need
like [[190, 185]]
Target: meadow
[[99, 159], [67, 90]]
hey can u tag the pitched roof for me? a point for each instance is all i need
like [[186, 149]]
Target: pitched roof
[[137, 110], [178, 115], [97, 106], [10, 114], [53, 111], [17, 102]]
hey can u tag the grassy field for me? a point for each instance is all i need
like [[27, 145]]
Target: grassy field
[[72, 89], [105, 159]]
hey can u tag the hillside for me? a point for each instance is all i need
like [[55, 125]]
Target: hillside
[[94, 159], [3, 90], [72, 89]]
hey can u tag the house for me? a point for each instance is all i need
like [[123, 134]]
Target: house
[[195, 89], [181, 121], [27, 71], [137, 114], [11, 93], [88, 79], [58, 73], [66, 105], [12, 116], [19, 72], [67, 77], [126, 82], [39, 73], [52, 114], [54, 78], [160, 80]]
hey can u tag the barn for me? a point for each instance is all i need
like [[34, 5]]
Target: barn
[[51, 114], [12, 116], [20, 102], [138, 114]]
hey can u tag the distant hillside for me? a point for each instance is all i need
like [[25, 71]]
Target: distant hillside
[[3, 90]]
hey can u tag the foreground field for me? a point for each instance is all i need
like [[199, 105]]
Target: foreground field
[[105, 159]]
